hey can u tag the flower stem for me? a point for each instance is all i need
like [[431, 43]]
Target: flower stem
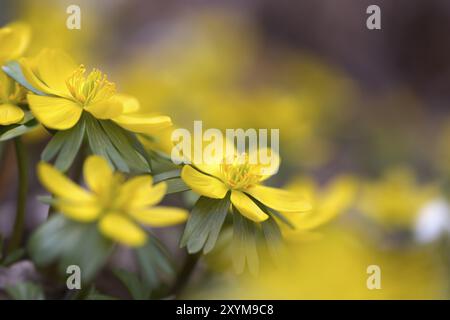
[[185, 273], [19, 223]]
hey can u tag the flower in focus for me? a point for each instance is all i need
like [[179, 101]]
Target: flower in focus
[[395, 200], [69, 90], [327, 202], [119, 206], [214, 179], [14, 39]]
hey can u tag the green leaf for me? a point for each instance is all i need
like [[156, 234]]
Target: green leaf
[[125, 145], [102, 146], [273, 237], [14, 256], [70, 243], [65, 146], [15, 130], [204, 224], [176, 185], [155, 263], [133, 283], [13, 70], [244, 243], [167, 175], [25, 291]]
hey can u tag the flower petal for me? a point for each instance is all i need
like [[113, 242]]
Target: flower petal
[[203, 184], [122, 230], [143, 123], [97, 174], [247, 207], [60, 185], [55, 67], [279, 199], [79, 211], [55, 113], [108, 109], [14, 39], [10, 114], [139, 192], [161, 216], [129, 103], [266, 160]]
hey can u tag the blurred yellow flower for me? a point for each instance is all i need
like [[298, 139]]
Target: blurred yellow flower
[[70, 92], [395, 200], [243, 178], [14, 39], [11, 95], [119, 206], [327, 202]]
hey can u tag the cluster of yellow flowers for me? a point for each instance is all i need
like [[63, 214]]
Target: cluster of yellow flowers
[[59, 93]]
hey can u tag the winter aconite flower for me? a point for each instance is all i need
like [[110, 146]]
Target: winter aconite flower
[[327, 202], [243, 178], [66, 90], [14, 39], [117, 205], [11, 96]]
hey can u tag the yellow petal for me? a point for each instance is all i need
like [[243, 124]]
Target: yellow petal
[[160, 216], [79, 211], [10, 114], [280, 200], [266, 160], [60, 185], [14, 39], [55, 113], [247, 207], [139, 192], [142, 123], [129, 103], [108, 109], [55, 67], [337, 198], [28, 67], [122, 230], [203, 184], [97, 174]]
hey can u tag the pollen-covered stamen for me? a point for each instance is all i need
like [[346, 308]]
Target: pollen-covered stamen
[[93, 88], [239, 173]]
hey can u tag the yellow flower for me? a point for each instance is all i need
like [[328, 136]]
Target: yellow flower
[[327, 202], [11, 95], [214, 179], [14, 39], [70, 91], [395, 200], [119, 206]]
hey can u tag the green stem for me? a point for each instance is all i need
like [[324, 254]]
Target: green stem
[[185, 273], [19, 224]]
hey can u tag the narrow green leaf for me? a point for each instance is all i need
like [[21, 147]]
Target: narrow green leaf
[[119, 138], [204, 224], [102, 146], [133, 283], [13, 70], [176, 185], [167, 175], [244, 244], [13, 131]]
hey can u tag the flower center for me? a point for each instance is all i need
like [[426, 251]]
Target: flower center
[[109, 198], [93, 88], [239, 173]]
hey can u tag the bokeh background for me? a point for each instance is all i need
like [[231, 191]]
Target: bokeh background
[[373, 104]]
